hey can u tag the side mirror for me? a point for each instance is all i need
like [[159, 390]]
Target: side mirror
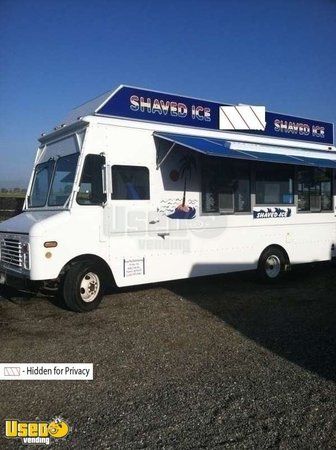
[[104, 179]]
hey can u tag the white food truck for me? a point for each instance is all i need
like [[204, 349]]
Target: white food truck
[[139, 187]]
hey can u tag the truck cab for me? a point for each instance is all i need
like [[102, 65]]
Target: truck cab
[[54, 233]]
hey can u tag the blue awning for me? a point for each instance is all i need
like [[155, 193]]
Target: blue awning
[[221, 147]]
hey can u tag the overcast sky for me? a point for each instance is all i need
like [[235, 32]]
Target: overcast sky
[[55, 55]]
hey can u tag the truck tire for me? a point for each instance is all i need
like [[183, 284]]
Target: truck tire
[[272, 264], [82, 287]]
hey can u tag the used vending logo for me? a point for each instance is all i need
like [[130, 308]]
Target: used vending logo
[[271, 213], [37, 432]]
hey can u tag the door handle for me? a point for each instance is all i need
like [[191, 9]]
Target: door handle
[[163, 235]]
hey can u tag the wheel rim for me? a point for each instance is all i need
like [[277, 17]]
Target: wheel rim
[[273, 266], [89, 287]]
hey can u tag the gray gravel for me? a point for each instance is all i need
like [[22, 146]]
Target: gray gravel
[[219, 362]]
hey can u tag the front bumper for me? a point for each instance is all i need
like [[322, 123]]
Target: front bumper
[[17, 280], [8, 271]]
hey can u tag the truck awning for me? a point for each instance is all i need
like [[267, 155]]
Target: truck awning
[[242, 150]]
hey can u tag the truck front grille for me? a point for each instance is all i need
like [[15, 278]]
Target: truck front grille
[[11, 252]]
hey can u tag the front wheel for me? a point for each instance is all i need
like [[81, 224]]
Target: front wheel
[[82, 287], [272, 264]]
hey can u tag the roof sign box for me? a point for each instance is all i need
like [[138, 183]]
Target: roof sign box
[[141, 104], [242, 117]]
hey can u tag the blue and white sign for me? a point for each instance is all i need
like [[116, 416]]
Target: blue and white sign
[[141, 104], [271, 213]]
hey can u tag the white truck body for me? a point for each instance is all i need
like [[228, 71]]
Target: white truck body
[[141, 240]]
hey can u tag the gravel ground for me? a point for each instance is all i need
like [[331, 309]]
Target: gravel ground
[[218, 362]]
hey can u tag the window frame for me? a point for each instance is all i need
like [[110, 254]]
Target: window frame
[[332, 183], [130, 199], [81, 177], [228, 213], [288, 205], [253, 202], [53, 179], [45, 163]]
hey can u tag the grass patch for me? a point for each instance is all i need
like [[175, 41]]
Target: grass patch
[[12, 194]]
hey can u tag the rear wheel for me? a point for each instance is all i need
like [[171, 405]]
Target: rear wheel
[[82, 287], [272, 264]]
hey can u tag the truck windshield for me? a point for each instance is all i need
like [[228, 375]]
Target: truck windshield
[[41, 183], [55, 178], [63, 180]]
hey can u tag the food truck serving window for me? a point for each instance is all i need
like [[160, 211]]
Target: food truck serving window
[[314, 189], [274, 184], [226, 186], [130, 183]]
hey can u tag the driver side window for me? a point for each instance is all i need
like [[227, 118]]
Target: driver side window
[[91, 186]]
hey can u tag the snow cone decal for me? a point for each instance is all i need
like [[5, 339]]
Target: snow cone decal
[[183, 210], [271, 213]]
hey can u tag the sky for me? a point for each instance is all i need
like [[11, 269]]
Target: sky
[[55, 55]]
